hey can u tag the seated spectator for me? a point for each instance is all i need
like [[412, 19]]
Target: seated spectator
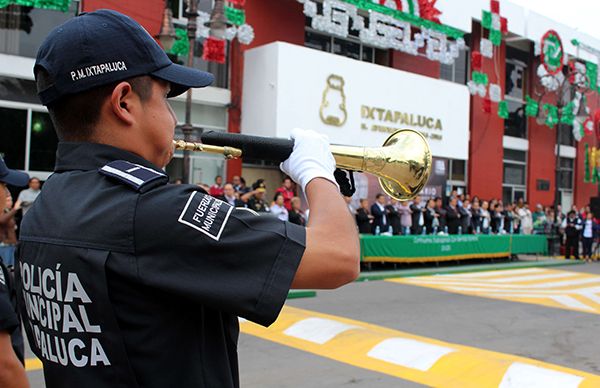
[[255, 199], [216, 190], [296, 215], [364, 218], [230, 196], [29, 195], [278, 208], [287, 191]]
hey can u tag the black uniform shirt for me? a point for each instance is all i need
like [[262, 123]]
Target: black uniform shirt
[[152, 276], [9, 320]]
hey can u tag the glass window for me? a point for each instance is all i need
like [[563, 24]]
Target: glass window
[[43, 143], [346, 48], [317, 41], [516, 123], [456, 72], [16, 89], [13, 136], [566, 135], [520, 156], [565, 180], [22, 29], [515, 80], [514, 174], [457, 170]]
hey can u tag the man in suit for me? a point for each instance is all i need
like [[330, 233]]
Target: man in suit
[[452, 216], [441, 212], [364, 217], [379, 213], [230, 197], [418, 221]]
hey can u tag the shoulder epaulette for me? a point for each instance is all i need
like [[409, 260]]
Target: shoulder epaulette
[[138, 177]]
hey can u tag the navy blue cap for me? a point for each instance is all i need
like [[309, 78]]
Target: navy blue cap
[[105, 46], [12, 177]]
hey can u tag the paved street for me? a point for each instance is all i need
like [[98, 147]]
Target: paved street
[[524, 327]]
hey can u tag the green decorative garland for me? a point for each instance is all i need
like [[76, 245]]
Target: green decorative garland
[[552, 117], [406, 17], [235, 16], [503, 109], [181, 46], [57, 5], [532, 107]]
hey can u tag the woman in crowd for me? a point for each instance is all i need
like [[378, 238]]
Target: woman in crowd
[[497, 215], [405, 216], [526, 218], [588, 234], [509, 226], [8, 236], [475, 217], [296, 215], [278, 208], [364, 217]]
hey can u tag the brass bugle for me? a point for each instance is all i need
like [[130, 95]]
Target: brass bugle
[[227, 152], [402, 164]]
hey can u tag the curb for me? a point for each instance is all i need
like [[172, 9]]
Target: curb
[[381, 275], [295, 294]]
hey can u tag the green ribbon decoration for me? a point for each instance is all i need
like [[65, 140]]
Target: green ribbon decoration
[[181, 46], [235, 16], [57, 5], [486, 19], [552, 115], [496, 37], [567, 115], [586, 164], [368, 5], [532, 107], [591, 70], [503, 109], [480, 78]]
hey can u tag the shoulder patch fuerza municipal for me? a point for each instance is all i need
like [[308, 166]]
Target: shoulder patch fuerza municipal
[[206, 214]]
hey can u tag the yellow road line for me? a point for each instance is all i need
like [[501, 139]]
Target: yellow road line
[[553, 288], [410, 357], [32, 364]]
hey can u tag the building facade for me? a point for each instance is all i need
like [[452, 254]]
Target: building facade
[[357, 70]]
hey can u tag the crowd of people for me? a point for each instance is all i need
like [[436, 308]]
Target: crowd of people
[[284, 205], [11, 213], [462, 214]]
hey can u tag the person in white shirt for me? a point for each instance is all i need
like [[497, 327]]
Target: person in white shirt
[[588, 235], [29, 195], [278, 208]]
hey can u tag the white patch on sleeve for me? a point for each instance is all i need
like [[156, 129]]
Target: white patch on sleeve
[[206, 214]]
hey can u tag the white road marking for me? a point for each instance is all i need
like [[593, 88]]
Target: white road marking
[[569, 301], [494, 273], [317, 330], [409, 353], [534, 277], [521, 375]]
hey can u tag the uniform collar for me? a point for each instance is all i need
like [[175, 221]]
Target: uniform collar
[[90, 156]]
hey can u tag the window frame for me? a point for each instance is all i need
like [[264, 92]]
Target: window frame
[[507, 97], [513, 186]]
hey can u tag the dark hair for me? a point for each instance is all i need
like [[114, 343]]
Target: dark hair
[[379, 195], [75, 115], [278, 194]]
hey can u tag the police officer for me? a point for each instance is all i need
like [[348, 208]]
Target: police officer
[[127, 281], [12, 372]]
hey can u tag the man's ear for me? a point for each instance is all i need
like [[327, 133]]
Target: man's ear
[[123, 103]]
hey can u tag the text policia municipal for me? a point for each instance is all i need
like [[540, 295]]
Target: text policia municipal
[[55, 306]]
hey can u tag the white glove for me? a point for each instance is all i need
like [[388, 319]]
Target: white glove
[[310, 159]]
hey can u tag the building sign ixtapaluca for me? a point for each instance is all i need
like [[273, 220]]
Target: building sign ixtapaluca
[[352, 102]]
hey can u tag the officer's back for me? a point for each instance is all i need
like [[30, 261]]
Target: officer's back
[[126, 281]]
